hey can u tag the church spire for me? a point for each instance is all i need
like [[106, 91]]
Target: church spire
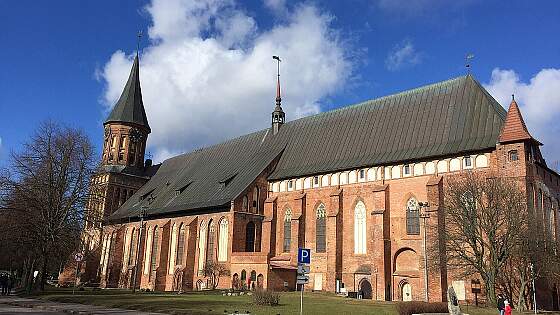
[[278, 115], [514, 128], [130, 107]]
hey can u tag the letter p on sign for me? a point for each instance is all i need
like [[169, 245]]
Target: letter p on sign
[[304, 256]]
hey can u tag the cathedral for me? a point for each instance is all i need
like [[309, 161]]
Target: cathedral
[[352, 184]]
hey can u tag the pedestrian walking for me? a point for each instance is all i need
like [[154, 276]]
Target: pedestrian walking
[[10, 284], [501, 304], [3, 283], [507, 308]]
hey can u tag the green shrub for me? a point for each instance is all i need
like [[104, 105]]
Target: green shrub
[[265, 297], [409, 308]]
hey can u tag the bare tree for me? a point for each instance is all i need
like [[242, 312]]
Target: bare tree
[[214, 271], [485, 220], [47, 194]]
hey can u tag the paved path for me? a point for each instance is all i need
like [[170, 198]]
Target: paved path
[[17, 305]]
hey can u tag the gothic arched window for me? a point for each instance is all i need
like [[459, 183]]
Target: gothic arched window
[[320, 229], [245, 204], [223, 238], [180, 245], [256, 200], [360, 228], [201, 246], [155, 248], [412, 217], [211, 242], [250, 237], [132, 249], [287, 230]]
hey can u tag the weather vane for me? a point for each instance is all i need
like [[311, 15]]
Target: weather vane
[[468, 59], [139, 35], [277, 58]]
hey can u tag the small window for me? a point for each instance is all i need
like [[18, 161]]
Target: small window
[[407, 170], [362, 174], [513, 156], [290, 184], [467, 162], [316, 180]]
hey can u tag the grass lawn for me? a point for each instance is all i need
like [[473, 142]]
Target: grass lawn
[[208, 303]]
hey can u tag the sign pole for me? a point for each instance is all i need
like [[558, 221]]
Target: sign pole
[[301, 301]]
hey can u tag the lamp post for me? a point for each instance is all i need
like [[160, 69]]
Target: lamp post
[[424, 216], [143, 211]]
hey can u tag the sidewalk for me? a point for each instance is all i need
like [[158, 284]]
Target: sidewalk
[[68, 308]]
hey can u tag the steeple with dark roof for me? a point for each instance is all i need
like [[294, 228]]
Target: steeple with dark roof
[[514, 128], [130, 108]]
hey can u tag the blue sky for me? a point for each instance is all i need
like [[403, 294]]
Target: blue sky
[[207, 74]]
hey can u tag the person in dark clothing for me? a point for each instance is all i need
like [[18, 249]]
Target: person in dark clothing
[[501, 304], [4, 283], [9, 284]]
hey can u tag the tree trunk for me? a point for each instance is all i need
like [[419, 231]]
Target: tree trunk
[[521, 299], [490, 284], [44, 272]]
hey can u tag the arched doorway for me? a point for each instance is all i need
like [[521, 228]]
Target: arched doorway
[[406, 292], [235, 281], [260, 281], [365, 289]]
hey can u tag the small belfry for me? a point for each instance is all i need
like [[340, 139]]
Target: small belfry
[[278, 115], [127, 128]]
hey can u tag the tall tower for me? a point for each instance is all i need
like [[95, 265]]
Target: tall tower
[[127, 128], [278, 115]]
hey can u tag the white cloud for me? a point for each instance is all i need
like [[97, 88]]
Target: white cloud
[[208, 74], [402, 55], [539, 100], [276, 5]]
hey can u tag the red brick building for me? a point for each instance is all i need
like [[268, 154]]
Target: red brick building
[[349, 184]]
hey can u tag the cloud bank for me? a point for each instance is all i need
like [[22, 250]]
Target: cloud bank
[[539, 99], [208, 74]]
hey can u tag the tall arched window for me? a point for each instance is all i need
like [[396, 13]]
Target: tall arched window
[[412, 217], [155, 248], [180, 245], [321, 229], [360, 228], [223, 238], [245, 203], [173, 249], [148, 251], [250, 237], [287, 230], [201, 247], [211, 242], [132, 248], [256, 199]]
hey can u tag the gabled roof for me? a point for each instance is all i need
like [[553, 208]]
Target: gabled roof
[[514, 126], [447, 118], [129, 107]]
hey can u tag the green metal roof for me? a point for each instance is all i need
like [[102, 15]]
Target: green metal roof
[[442, 119], [129, 107]]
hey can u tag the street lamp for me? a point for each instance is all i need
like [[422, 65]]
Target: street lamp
[[424, 216], [142, 214]]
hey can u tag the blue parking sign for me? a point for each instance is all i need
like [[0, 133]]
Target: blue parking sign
[[304, 256]]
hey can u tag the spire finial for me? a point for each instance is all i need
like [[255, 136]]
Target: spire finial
[[278, 96], [468, 58], [139, 38], [513, 97]]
